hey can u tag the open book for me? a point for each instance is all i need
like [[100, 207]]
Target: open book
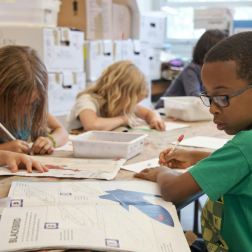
[[106, 215]]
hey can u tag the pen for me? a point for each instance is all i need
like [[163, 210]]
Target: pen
[[7, 132], [175, 146]]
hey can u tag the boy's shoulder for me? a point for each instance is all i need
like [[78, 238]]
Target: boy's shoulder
[[243, 136]]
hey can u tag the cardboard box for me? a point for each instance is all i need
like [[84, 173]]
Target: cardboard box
[[154, 63], [42, 13], [92, 17], [151, 30], [241, 26], [212, 18], [61, 49], [98, 54], [117, 50], [62, 92], [121, 22], [141, 56]]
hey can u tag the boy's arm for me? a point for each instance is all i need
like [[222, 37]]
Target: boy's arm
[[174, 186], [91, 121], [151, 116]]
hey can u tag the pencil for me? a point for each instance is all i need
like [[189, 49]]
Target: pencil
[[175, 146], [7, 132]]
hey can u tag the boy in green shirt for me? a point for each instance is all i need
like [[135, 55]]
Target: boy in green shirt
[[225, 175]]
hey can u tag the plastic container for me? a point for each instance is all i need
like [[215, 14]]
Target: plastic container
[[41, 13], [105, 144], [186, 108]]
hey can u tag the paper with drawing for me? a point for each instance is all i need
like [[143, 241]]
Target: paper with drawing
[[205, 142], [72, 167], [121, 216]]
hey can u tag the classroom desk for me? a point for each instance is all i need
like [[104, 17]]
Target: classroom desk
[[154, 143]]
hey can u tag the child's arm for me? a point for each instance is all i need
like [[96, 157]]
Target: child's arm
[[151, 116], [174, 186], [44, 145], [15, 160], [181, 158], [15, 146], [91, 121]]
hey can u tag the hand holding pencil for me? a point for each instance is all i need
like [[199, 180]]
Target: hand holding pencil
[[14, 145], [175, 159]]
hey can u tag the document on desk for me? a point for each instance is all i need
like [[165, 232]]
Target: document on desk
[[95, 215], [168, 126], [151, 163], [72, 168], [205, 142]]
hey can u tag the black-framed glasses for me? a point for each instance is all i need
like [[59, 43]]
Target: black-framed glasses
[[220, 101]]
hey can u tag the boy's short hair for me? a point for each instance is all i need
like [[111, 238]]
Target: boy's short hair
[[236, 48]]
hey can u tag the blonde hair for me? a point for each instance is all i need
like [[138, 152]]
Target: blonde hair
[[22, 74], [118, 89]]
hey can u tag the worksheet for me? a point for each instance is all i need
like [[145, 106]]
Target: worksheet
[[151, 163], [111, 215], [205, 142], [72, 168], [168, 126]]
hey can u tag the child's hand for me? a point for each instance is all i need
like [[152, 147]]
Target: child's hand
[[176, 159], [125, 120], [16, 160], [150, 173], [158, 125], [16, 146], [42, 146]]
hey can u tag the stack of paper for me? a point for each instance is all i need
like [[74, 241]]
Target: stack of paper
[[90, 215]]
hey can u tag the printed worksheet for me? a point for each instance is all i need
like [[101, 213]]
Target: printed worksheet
[[72, 167], [111, 215], [205, 142]]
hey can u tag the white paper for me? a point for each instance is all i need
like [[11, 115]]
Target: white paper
[[168, 126], [5, 202], [205, 142], [72, 168], [67, 147], [121, 216], [151, 163]]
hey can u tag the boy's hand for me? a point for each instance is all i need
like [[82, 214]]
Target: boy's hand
[[42, 146], [150, 173], [16, 146], [176, 159], [16, 160], [158, 125]]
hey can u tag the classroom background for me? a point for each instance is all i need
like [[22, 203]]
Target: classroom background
[[77, 39]]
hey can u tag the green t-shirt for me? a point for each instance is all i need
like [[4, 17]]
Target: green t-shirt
[[227, 173]]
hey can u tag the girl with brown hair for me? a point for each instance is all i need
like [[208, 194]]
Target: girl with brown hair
[[23, 103]]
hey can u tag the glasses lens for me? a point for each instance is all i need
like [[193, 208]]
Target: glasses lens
[[220, 101], [205, 100]]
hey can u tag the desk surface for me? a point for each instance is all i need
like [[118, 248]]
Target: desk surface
[[154, 143]]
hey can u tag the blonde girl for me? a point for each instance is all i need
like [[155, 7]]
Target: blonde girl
[[112, 102], [23, 103]]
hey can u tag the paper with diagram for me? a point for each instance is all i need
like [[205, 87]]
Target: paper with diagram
[[72, 167], [111, 215]]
